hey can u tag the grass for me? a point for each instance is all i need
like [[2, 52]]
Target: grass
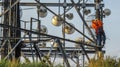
[[104, 62], [94, 62], [27, 63], [17, 64]]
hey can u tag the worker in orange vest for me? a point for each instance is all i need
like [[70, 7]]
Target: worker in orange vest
[[97, 25]]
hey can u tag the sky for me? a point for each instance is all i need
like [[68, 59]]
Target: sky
[[111, 25]]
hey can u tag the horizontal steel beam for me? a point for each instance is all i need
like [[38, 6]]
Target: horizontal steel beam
[[59, 54], [24, 37], [56, 4], [67, 50], [48, 48], [27, 50]]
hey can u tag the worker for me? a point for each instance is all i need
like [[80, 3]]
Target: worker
[[97, 25]]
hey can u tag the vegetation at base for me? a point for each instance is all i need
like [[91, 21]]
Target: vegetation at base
[[106, 62], [27, 64], [17, 64], [94, 62]]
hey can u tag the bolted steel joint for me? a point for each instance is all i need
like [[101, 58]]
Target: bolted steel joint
[[64, 5], [83, 5]]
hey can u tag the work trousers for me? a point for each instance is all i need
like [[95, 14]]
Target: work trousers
[[101, 38]]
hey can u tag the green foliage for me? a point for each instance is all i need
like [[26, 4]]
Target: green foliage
[[107, 62], [99, 62], [17, 64], [40, 64]]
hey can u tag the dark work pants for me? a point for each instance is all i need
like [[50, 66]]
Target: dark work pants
[[101, 38]]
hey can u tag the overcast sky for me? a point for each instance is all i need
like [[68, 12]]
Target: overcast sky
[[112, 27]]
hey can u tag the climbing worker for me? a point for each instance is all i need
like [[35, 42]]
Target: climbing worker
[[97, 25]]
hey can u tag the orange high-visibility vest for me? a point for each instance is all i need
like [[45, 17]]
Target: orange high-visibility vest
[[97, 24], [100, 23]]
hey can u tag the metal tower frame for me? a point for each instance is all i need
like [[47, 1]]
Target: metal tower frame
[[13, 43]]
